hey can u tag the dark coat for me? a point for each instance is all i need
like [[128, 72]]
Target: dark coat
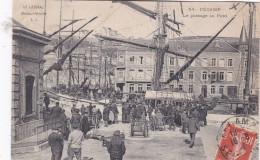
[[203, 112], [138, 111], [63, 121], [125, 109], [90, 110], [116, 147], [75, 119], [73, 109], [83, 109], [195, 114], [46, 100], [193, 125], [115, 110], [106, 114], [84, 124], [56, 111], [55, 142]]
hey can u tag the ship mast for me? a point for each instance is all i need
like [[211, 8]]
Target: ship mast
[[160, 40], [248, 66]]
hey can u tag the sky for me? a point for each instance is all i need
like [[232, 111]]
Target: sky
[[131, 23]]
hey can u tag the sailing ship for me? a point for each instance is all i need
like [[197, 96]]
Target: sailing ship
[[161, 49]]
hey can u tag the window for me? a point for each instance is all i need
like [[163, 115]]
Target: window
[[204, 62], [29, 81], [245, 62], [132, 59], [230, 62], [191, 74], [172, 61], [181, 75], [213, 76], [213, 90], [221, 89], [180, 87], [229, 76], [221, 76], [120, 74], [181, 61], [149, 74], [149, 87], [190, 88], [222, 62], [213, 62], [204, 75], [172, 86], [132, 74], [121, 59], [171, 73], [140, 74], [140, 87], [131, 88], [141, 59]]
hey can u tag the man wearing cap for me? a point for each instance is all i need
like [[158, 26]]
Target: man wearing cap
[[75, 119], [106, 115], [55, 141], [116, 147], [56, 111], [193, 127], [46, 101], [73, 109], [195, 113], [74, 143]]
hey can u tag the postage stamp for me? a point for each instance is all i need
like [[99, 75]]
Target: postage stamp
[[237, 138]]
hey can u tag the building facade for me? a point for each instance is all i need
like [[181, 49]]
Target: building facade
[[27, 81], [219, 70]]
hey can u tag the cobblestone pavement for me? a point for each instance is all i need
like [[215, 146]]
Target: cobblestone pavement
[[160, 145]]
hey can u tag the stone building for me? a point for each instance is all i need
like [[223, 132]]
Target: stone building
[[220, 69], [27, 81]]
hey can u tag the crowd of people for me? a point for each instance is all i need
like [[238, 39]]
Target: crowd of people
[[74, 130], [190, 116]]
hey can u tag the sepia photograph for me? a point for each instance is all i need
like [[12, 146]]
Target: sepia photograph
[[134, 80]]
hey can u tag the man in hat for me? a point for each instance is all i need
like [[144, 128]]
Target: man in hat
[[56, 111], [116, 147], [75, 119], [74, 143], [195, 113], [73, 109], [55, 141], [90, 107], [82, 109], [115, 111], [138, 112], [193, 127], [106, 115], [46, 101]]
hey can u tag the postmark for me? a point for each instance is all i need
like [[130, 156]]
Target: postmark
[[237, 137]]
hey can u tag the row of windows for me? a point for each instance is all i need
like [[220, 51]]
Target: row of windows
[[139, 60], [140, 88], [212, 89], [205, 76], [204, 62]]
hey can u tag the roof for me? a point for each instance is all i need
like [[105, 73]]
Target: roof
[[22, 31], [194, 44]]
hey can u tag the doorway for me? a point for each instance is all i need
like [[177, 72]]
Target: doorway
[[29, 81], [232, 91], [204, 91]]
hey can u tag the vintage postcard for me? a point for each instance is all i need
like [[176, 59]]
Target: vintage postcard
[[135, 80]]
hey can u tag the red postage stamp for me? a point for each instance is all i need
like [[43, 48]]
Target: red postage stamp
[[235, 143]]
